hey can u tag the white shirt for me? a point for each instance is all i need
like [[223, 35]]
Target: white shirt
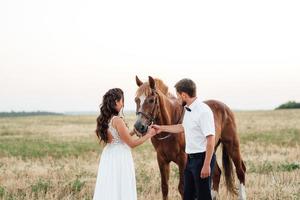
[[197, 124]]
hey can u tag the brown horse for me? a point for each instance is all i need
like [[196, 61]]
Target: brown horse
[[156, 105]]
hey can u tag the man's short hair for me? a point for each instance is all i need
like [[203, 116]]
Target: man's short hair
[[186, 85]]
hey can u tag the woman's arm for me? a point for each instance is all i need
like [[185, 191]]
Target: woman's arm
[[132, 133], [125, 133]]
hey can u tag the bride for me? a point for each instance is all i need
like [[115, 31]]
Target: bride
[[116, 175]]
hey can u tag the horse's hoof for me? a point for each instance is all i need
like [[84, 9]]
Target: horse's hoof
[[214, 194], [242, 192]]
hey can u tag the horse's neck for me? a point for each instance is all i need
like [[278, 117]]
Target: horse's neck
[[170, 112]]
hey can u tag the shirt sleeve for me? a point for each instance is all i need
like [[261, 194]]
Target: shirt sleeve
[[207, 123]]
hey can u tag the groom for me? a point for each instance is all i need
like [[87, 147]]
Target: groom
[[199, 128]]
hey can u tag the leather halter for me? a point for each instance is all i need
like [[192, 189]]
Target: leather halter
[[152, 120], [149, 117]]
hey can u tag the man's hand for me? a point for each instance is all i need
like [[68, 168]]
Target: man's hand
[[205, 172], [157, 128], [151, 131]]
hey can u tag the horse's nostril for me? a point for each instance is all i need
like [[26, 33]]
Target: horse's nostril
[[144, 128]]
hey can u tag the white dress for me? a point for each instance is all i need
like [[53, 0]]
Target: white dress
[[116, 175]]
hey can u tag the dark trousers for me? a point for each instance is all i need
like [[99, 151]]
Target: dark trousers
[[194, 186]]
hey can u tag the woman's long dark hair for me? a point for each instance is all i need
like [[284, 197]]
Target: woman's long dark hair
[[107, 110]]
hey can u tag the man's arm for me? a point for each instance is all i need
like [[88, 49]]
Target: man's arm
[[205, 172], [177, 128], [207, 125]]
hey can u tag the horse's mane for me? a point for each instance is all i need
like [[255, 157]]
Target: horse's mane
[[167, 100], [160, 86]]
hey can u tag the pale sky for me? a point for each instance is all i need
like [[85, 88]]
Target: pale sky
[[62, 55]]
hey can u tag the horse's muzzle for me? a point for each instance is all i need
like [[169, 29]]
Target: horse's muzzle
[[140, 127]]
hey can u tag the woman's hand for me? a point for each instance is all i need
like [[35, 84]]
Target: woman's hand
[[132, 133]]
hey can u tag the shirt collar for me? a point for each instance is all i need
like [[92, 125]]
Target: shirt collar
[[192, 106]]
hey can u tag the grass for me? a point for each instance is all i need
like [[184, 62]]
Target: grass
[[77, 185], [40, 187], [279, 137], [268, 167], [38, 148], [289, 166], [2, 192], [57, 157]]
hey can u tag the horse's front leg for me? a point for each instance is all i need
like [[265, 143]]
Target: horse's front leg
[[164, 168], [181, 162]]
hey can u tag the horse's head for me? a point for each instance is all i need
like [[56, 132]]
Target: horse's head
[[147, 105]]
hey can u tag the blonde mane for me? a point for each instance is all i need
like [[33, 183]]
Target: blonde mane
[[159, 84]]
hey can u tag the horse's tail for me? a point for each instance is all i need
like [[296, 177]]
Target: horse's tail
[[228, 170]]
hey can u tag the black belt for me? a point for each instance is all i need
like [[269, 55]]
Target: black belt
[[196, 155]]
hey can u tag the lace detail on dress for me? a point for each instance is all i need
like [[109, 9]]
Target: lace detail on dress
[[116, 137]]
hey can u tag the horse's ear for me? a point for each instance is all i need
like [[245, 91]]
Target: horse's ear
[[138, 81], [151, 83]]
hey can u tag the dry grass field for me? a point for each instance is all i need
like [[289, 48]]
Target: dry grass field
[[56, 157]]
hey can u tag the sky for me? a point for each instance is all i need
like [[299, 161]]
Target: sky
[[63, 55]]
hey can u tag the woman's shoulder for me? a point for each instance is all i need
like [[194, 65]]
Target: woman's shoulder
[[116, 120]]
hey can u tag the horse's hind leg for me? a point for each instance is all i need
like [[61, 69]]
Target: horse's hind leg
[[231, 142], [164, 168], [216, 181]]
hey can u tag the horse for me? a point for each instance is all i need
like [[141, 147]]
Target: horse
[[155, 104]]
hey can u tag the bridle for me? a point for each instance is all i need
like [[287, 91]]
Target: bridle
[[155, 112]]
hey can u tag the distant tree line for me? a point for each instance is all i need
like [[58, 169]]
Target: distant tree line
[[23, 113], [289, 105]]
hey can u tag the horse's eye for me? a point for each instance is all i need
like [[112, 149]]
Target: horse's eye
[[151, 101], [137, 100]]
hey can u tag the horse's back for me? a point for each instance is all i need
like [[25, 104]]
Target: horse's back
[[218, 107], [223, 116]]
